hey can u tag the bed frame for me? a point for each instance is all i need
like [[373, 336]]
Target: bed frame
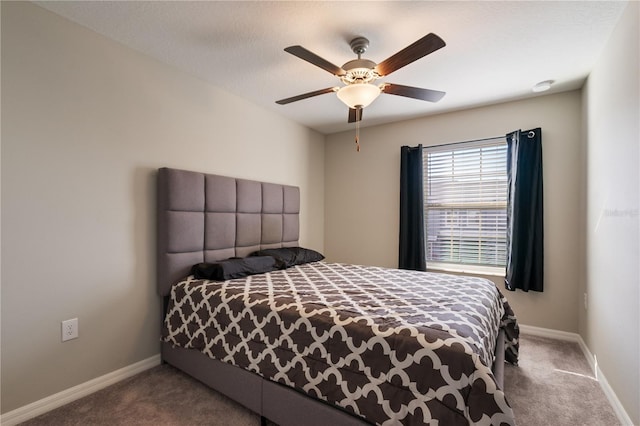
[[204, 218]]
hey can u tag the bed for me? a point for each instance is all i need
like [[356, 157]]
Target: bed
[[317, 343]]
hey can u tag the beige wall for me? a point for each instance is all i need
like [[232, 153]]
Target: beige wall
[[611, 324], [362, 193], [85, 122]]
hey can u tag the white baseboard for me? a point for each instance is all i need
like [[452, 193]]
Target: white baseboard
[[547, 332], [621, 413], [69, 395], [54, 401]]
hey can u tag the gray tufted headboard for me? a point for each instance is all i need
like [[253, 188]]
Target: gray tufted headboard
[[203, 218]]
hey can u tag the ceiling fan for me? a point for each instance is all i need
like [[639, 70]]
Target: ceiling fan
[[359, 74]]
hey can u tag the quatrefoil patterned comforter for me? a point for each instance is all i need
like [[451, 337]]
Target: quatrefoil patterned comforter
[[392, 346]]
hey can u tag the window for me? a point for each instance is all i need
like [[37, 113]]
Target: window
[[465, 191]]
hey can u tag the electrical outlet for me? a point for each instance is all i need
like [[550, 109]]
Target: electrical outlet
[[70, 329], [585, 301]]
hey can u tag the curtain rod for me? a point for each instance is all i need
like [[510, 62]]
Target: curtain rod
[[473, 140], [530, 134]]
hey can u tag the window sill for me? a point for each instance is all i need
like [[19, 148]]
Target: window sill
[[467, 269]]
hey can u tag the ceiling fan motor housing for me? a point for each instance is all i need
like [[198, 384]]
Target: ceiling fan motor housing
[[359, 71]]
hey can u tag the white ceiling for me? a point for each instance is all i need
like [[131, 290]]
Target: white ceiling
[[495, 51]]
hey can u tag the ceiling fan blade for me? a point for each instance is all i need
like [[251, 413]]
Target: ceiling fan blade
[[355, 115], [427, 44], [413, 92], [314, 59], [306, 95]]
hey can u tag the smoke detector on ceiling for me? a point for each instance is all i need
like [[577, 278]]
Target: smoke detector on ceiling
[[543, 86]]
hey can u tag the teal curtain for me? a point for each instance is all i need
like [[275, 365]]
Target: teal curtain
[[525, 230], [412, 250]]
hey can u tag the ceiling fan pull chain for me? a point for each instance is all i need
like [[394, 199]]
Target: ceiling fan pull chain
[[357, 136]]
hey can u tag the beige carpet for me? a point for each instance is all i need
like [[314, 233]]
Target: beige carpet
[[551, 386]]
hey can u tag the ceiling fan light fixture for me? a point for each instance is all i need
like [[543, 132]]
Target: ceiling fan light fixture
[[358, 95]]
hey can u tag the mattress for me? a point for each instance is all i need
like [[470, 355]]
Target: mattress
[[391, 346]]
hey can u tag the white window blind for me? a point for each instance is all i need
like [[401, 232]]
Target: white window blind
[[465, 190]]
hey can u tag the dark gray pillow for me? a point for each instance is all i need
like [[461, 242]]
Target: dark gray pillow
[[235, 267], [287, 257]]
